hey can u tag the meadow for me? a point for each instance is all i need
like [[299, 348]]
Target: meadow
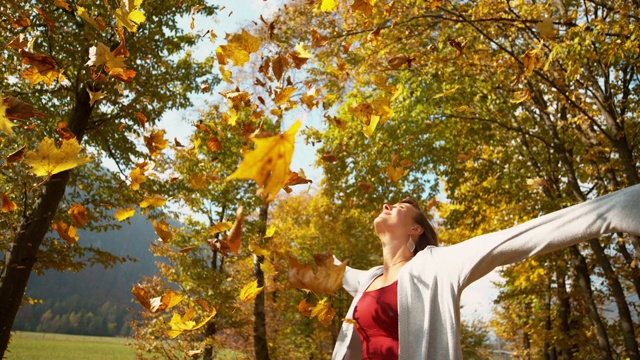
[[33, 346]]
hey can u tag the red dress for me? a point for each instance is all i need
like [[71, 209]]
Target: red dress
[[376, 315]]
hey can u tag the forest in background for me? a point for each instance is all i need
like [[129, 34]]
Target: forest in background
[[490, 113]]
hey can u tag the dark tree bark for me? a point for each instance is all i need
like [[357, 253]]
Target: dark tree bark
[[21, 255], [260, 345], [565, 350]]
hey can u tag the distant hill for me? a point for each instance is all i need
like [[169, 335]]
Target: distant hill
[[94, 301]]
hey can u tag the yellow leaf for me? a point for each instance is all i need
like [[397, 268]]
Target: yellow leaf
[[268, 164], [250, 291], [395, 173], [226, 74], [49, 160], [5, 124], [162, 229], [78, 215], [546, 29], [123, 214], [300, 55], [43, 68], [257, 250], [137, 177], [328, 5], [326, 280], [283, 95], [530, 61], [197, 181], [95, 96], [323, 311], [129, 16], [84, 15], [270, 231], [102, 55], [179, 324], [447, 92], [369, 129], [235, 235], [239, 47], [156, 142], [66, 232], [220, 227], [155, 200], [7, 204], [363, 6], [166, 301], [351, 321]]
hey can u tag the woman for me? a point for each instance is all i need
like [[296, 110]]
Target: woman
[[409, 308]]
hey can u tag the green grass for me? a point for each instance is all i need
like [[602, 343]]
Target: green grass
[[45, 346]]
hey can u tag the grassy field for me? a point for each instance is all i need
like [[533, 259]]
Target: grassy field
[[33, 346]]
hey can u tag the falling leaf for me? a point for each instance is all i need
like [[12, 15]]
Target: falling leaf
[[220, 227], [20, 22], [329, 157], [179, 324], [270, 231], [250, 291], [129, 15], [447, 92], [123, 214], [162, 229], [396, 62], [43, 68], [47, 20], [268, 164], [300, 55], [257, 250], [351, 321], [239, 47], [530, 60], [102, 55], [226, 74], [62, 4], [141, 295], [234, 239], [49, 160], [326, 280], [156, 142], [165, 302], [5, 123], [78, 215], [137, 177], [318, 40], [395, 173], [67, 232], [323, 311], [7, 204], [84, 15], [142, 119], [521, 96], [95, 96], [328, 5], [283, 95], [363, 6], [213, 144], [155, 200], [194, 11], [369, 129], [546, 29], [305, 308]]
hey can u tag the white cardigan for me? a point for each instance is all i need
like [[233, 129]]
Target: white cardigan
[[429, 286]]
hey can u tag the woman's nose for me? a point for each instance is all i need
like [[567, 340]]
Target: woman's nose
[[386, 207]]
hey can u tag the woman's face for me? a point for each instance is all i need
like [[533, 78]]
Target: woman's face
[[395, 218]]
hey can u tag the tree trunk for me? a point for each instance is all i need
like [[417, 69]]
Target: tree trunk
[[21, 255], [260, 344], [626, 323], [211, 328], [584, 283], [565, 350]]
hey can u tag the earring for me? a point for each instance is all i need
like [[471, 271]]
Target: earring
[[411, 245]]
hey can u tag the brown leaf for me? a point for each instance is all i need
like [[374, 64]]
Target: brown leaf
[[326, 280], [396, 62], [78, 215], [142, 296], [16, 155], [329, 157], [279, 65], [213, 144], [235, 235]]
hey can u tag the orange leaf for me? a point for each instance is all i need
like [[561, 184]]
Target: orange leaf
[[326, 280], [7, 204], [166, 301], [235, 235], [305, 308], [142, 296], [78, 215], [213, 144], [66, 232], [162, 229]]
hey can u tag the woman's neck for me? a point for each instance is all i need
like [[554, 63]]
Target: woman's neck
[[395, 253]]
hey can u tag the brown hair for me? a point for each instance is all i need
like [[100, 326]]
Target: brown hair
[[428, 236]]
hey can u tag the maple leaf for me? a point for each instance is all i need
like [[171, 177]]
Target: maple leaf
[[179, 324], [395, 173], [363, 6], [7, 204], [546, 29], [156, 142], [250, 291], [141, 295], [166, 301], [214, 144], [5, 123], [155, 200], [235, 234], [300, 55], [129, 15], [239, 47], [84, 15], [95, 96], [123, 214], [137, 177], [49, 160], [296, 178], [283, 95], [305, 308], [78, 215], [279, 65], [369, 129], [323, 311], [62, 4], [66, 232], [220, 227], [162, 229], [102, 55], [43, 68], [326, 280], [268, 164]]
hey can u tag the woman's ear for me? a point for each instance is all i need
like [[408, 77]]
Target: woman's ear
[[417, 230]]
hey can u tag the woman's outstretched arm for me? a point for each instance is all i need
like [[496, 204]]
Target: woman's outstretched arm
[[474, 258]]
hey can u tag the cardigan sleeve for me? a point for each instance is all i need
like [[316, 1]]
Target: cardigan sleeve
[[469, 260]]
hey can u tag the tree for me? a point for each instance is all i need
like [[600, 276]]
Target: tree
[[70, 63]]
